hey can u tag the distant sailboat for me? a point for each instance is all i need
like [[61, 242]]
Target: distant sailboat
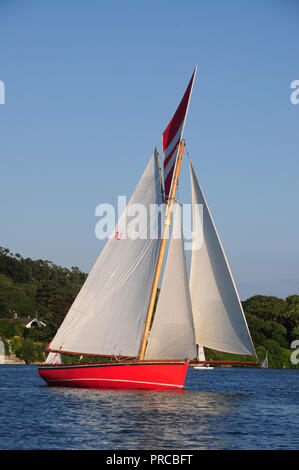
[[265, 363], [201, 357], [112, 316]]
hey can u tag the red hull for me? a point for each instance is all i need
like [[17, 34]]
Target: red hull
[[145, 375]]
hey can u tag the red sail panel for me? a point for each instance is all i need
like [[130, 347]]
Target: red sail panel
[[172, 137]]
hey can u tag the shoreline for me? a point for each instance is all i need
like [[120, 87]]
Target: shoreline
[[8, 360]]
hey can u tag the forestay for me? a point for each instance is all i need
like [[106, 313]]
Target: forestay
[[108, 315], [218, 315], [172, 334]]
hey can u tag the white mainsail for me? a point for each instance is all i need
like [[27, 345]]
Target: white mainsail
[[108, 315], [219, 319], [172, 334]]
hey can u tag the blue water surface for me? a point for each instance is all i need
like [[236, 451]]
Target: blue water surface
[[224, 408]]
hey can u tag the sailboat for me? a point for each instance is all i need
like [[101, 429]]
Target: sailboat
[[201, 357], [265, 363], [113, 315]]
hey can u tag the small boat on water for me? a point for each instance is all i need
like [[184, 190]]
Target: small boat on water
[[113, 315], [201, 357], [265, 363]]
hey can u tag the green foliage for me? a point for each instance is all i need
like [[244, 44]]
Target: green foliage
[[262, 330], [37, 289], [265, 307], [292, 300], [34, 289], [280, 317], [9, 329], [29, 351], [73, 359]]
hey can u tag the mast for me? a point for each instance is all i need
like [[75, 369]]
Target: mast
[[167, 224], [173, 148]]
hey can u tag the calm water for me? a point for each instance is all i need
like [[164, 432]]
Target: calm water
[[220, 409]]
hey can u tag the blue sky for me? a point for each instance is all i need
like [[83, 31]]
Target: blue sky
[[91, 85]]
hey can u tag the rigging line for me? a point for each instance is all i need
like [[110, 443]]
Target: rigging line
[[177, 201], [160, 166], [187, 151], [161, 160]]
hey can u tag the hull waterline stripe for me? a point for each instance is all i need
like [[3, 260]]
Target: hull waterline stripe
[[116, 380]]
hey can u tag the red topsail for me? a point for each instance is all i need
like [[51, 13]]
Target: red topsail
[[172, 137]]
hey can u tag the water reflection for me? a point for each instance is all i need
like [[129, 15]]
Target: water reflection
[[149, 419]]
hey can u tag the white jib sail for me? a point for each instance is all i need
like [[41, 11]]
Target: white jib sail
[[172, 334], [108, 315], [219, 319]]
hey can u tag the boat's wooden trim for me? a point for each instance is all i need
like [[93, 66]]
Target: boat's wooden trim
[[72, 353], [112, 363]]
